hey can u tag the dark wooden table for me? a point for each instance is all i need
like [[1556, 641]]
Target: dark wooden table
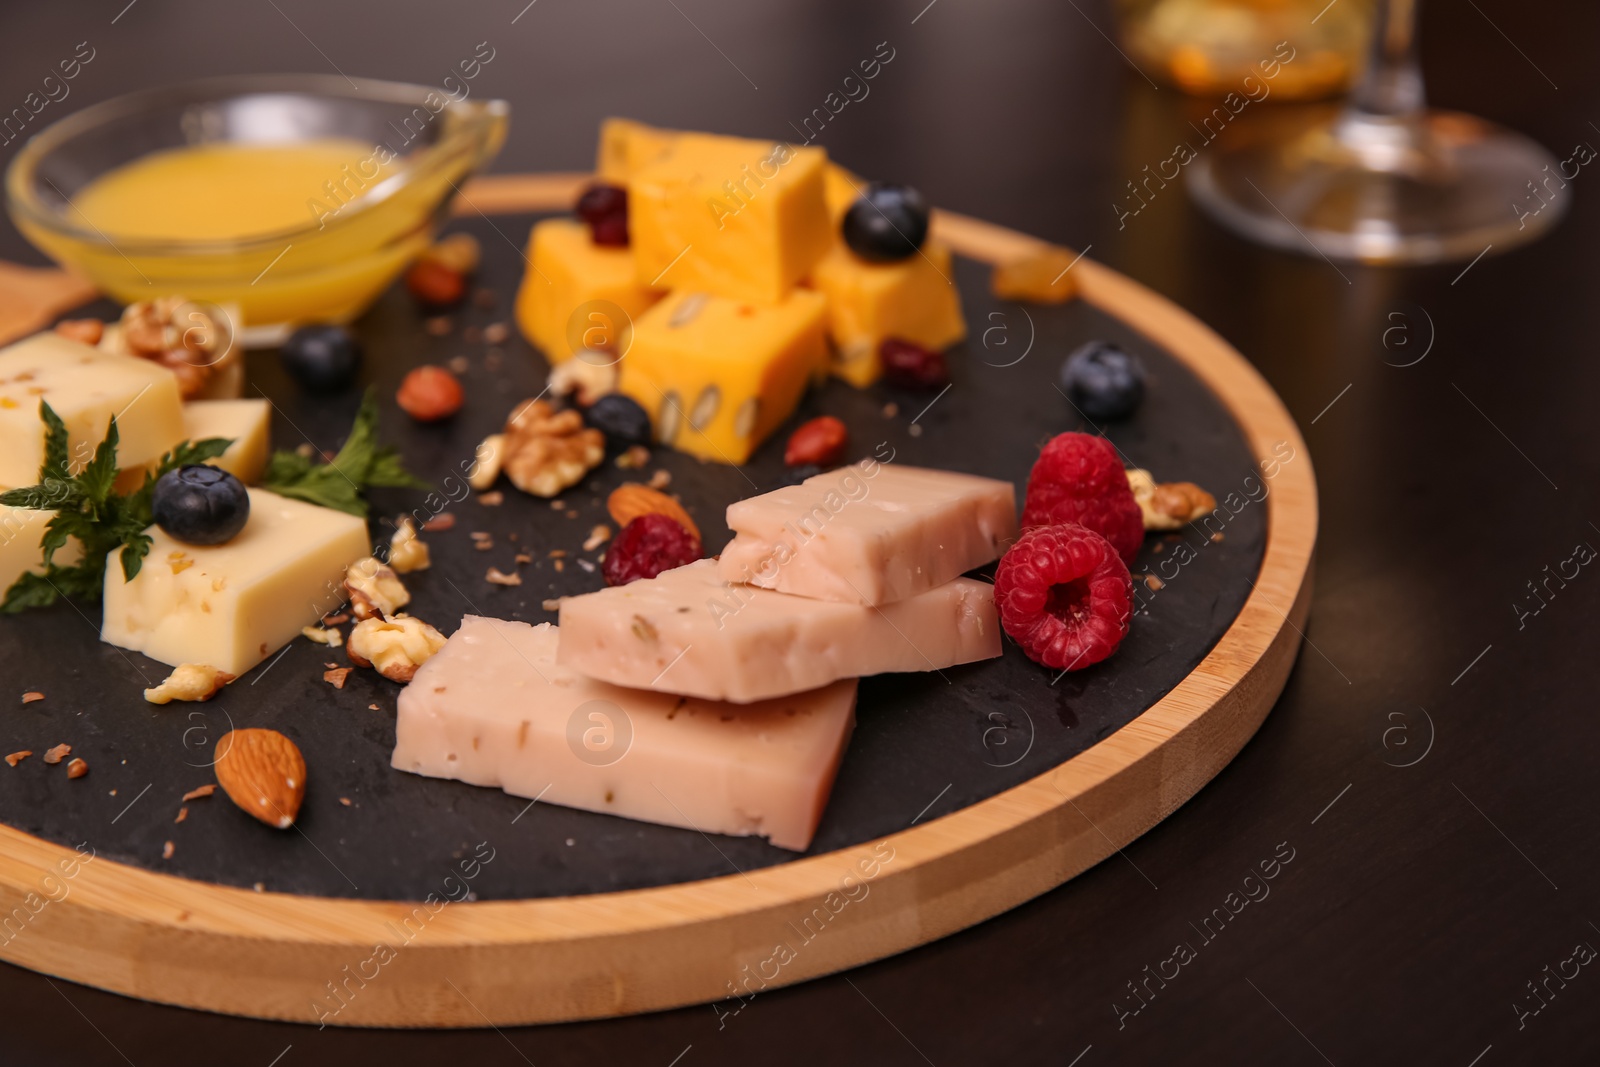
[[1429, 765]]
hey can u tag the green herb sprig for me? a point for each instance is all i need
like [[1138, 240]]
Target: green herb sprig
[[342, 483], [87, 507]]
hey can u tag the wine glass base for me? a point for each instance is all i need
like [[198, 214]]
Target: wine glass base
[[1354, 186]]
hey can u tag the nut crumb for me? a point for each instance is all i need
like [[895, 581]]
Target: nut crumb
[[597, 537], [492, 500], [498, 577], [557, 505], [336, 676], [183, 813], [166, 850], [200, 791], [496, 333], [438, 326], [56, 754], [1152, 583], [633, 458], [548, 605], [17, 757], [331, 638], [1217, 536], [891, 409], [335, 620], [345, 801], [660, 479], [485, 299], [77, 768], [260, 887], [558, 553], [915, 430], [407, 551], [459, 365], [32, 695], [374, 707], [522, 557], [440, 522], [560, 565]]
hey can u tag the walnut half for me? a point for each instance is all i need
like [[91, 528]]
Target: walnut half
[[395, 647], [547, 451]]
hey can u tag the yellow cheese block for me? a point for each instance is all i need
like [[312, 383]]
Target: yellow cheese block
[[717, 375], [577, 294], [841, 189], [233, 605], [21, 533], [247, 421], [915, 300], [86, 387], [626, 145], [728, 216]]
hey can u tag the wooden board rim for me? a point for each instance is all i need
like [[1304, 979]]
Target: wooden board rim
[[269, 955]]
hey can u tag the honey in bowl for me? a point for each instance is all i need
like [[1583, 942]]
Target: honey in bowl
[[230, 191]]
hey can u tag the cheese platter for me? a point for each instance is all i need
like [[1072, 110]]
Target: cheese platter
[[687, 797]]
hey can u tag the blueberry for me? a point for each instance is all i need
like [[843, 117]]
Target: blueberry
[[321, 358], [1103, 382], [200, 505], [886, 223], [620, 419], [796, 475]]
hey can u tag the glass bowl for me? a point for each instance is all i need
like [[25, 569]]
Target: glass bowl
[[325, 270]]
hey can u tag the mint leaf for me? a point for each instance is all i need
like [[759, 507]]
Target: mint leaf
[[55, 445], [29, 591], [100, 474], [341, 484]]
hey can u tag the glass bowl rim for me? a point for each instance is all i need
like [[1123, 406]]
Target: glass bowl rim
[[23, 204]]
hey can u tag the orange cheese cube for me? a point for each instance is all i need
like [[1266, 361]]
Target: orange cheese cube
[[625, 146], [732, 217], [915, 300], [577, 294], [717, 375]]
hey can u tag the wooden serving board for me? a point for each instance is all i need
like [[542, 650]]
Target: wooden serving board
[[562, 941]]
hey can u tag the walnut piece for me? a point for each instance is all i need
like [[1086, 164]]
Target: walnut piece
[[591, 375], [407, 552], [548, 450], [488, 460], [330, 637], [192, 340], [374, 589], [190, 681], [1168, 505], [395, 647]]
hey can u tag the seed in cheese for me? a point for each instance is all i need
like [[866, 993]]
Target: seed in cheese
[[724, 215], [626, 145], [21, 534], [86, 387], [869, 533], [577, 294], [687, 631], [247, 422], [914, 300], [718, 375], [233, 605], [495, 708]]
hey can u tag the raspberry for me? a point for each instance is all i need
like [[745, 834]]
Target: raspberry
[[911, 366], [647, 546], [1064, 595], [1078, 478]]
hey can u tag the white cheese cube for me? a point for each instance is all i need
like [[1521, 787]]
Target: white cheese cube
[[246, 421], [21, 531], [233, 605], [86, 387]]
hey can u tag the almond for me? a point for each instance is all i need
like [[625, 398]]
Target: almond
[[263, 772], [628, 502]]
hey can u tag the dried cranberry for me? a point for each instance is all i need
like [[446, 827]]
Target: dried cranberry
[[605, 209], [911, 366], [647, 546]]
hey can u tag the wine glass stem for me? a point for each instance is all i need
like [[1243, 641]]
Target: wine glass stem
[[1392, 84]]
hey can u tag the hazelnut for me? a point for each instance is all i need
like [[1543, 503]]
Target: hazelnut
[[458, 252], [435, 285], [821, 441], [190, 681], [407, 552], [87, 331], [374, 589], [429, 393], [395, 647]]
